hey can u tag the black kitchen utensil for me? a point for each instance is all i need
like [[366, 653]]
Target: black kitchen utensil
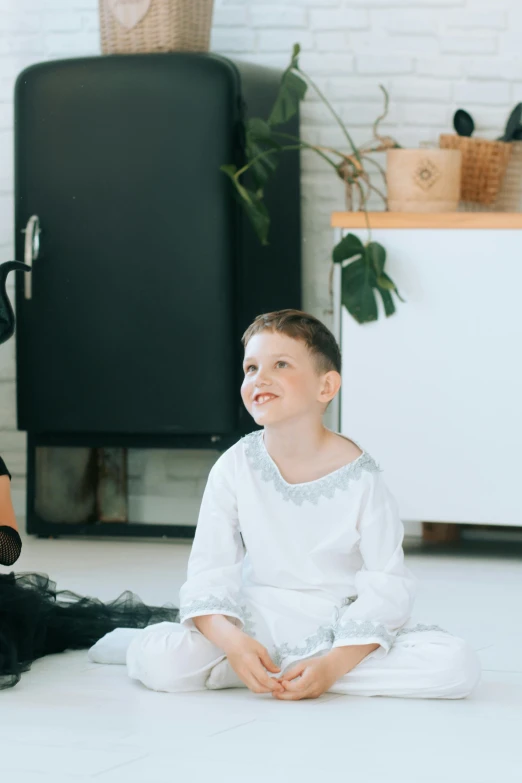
[[463, 123], [513, 124]]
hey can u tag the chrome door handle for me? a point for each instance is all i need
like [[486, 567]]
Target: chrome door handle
[[31, 250]]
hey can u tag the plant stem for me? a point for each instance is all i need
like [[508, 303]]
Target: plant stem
[[306, 145], [383, 115], [263, 155], [363, 198], [379, 193], [363, 205], [318, 147], [377, 165], [366, 177], [332, 110]]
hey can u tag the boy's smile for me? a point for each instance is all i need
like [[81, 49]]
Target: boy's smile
[[279, 369], [263, 398]]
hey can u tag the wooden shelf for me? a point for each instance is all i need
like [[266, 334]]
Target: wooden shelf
[[428, 220]]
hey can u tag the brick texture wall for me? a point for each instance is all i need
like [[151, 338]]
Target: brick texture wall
[[432, 55]]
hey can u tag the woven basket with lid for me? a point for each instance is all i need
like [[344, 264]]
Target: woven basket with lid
[[139, 26]]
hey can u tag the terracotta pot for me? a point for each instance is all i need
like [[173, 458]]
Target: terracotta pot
[[423, 180]]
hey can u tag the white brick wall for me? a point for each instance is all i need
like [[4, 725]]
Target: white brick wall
[[432, 55]]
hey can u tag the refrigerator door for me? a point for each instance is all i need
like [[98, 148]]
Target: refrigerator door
[[129, 326]]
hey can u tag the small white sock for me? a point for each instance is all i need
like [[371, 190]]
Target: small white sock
[[112, 648]]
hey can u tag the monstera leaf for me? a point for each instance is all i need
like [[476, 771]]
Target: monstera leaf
[[259, 142], [291, 91], [362, 275], [349, 247]]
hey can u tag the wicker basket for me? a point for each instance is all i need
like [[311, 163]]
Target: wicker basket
[[509, 198], [138, 26], [484, 164]]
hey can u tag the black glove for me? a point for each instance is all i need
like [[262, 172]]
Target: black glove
[[10, 545]]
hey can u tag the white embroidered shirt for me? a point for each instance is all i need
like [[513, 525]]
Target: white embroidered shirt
[[300, 567]]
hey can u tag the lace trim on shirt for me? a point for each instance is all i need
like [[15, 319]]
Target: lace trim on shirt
[[323, 637], [312, 490], [214, 605], [354, 629], [420, 627], [365, 629], [326, 635], [249, 625]]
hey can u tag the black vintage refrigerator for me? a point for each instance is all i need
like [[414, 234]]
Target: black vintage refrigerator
[[148, 271]]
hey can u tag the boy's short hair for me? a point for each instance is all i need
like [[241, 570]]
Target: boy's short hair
[[301, 326]]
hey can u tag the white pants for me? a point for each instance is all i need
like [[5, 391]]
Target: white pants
[[169, 657]]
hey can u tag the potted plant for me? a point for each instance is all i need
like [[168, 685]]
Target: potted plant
[[363, 264]]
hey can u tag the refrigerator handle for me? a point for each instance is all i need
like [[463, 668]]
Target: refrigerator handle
[[31, 250]]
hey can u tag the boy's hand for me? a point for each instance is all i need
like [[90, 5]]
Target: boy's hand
[[314, 677], [250, 659], [319, 674]]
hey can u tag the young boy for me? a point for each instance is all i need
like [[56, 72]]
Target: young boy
[[296, 580]]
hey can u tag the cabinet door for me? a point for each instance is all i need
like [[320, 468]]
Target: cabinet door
[[131, 322], [434, 391]]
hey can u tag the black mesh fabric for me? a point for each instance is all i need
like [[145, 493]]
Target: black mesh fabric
[[10, 541], [10, 545], [36, 619]]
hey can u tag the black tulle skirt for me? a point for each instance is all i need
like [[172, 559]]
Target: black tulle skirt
[[36, 619]]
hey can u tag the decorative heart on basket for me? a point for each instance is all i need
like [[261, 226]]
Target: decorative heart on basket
[[129, 12]]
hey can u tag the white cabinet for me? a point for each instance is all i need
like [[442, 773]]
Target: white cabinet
[[434, 392]]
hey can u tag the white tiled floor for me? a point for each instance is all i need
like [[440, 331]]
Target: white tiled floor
[[70, 720]]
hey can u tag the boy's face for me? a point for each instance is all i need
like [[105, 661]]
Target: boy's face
[[283, 369]]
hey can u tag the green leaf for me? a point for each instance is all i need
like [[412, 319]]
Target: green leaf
[[387, 300], [263, 167], [229, 169], [357, 291], [348, 247], [259, 146], [383, 281], [259, 217], [291, 91], [252, 202], [258, 129], [296, 51], [377, 256]]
